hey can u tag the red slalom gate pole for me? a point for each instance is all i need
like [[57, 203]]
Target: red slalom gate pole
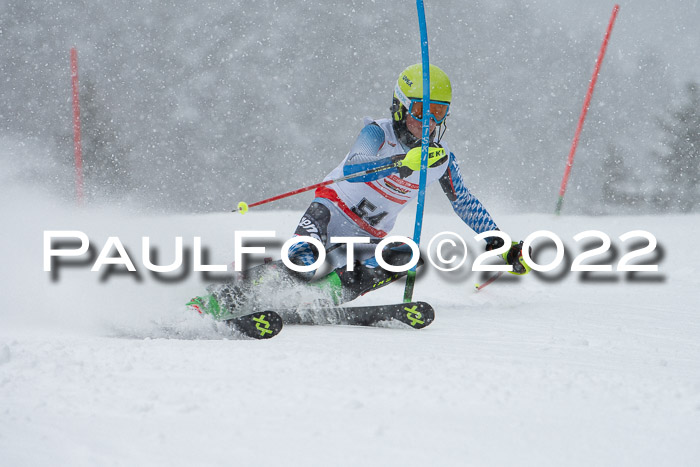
[[77, 145], [584, 111]]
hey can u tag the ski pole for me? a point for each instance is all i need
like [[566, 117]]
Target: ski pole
[[243, 206], [488, 281]]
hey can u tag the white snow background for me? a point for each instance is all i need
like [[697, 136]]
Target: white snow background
[[525, 372]]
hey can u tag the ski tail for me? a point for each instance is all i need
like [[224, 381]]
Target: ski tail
[[258, 325]]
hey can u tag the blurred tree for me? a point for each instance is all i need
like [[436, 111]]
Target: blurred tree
[[621, 188], [104, 155], [615, 174], [682, 160]]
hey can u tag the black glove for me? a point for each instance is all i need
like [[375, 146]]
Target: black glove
[[493, 243], [514, 257]]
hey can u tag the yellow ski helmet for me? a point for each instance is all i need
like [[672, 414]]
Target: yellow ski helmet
[[409, 88]]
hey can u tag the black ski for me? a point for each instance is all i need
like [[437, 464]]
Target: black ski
[[258, 325], [415, 314]]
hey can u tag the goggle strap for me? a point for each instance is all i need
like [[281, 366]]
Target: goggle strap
[[402, 97]]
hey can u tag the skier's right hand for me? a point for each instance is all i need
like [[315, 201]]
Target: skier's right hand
[[411, 161]]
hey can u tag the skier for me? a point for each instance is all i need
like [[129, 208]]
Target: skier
[[367, 206]]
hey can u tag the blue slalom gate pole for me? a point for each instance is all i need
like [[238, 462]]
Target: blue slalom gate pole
[[425, 143]]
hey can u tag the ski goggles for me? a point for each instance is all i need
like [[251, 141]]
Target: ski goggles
[[438, 110]]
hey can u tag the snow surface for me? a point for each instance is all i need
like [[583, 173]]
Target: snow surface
[[526, 372]]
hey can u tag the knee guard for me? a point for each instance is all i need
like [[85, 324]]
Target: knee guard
[[314, 223]]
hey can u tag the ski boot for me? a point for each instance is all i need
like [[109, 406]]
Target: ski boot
[[224, 301], [208, 305], [342, 285]]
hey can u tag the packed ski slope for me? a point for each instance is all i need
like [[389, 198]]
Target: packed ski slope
[[114, 371]]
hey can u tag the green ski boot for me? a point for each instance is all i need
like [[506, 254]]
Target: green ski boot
[[208, 305]]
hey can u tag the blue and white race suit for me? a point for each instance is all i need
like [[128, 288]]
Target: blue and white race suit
[[369, 205]]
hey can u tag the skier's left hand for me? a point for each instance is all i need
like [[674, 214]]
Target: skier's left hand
[[514, 257]]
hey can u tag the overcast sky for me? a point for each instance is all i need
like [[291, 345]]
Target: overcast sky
[[672, 26]]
